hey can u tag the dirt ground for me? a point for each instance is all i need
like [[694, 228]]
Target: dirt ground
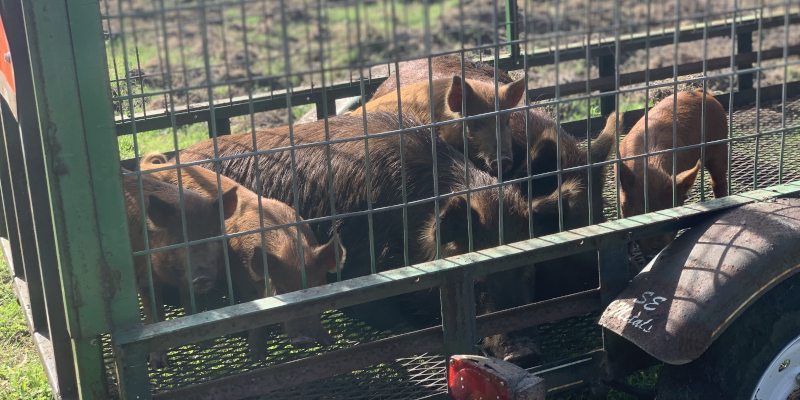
[[188, 52]]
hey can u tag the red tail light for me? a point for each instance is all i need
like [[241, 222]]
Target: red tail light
[[482, 378]]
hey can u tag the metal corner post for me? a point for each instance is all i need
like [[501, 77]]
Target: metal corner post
[[70, 80]]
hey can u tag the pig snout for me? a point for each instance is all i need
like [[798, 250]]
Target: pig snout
[[521, 348], [507, 165], [203, 283], [307, 332]]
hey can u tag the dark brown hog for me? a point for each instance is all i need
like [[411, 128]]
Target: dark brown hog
[[165, 228], [539, 142], [246, 252], [349, 175]]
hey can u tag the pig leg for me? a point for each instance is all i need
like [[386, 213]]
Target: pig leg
[[158, 359], [256, 338], [717, 166], [186, 304]]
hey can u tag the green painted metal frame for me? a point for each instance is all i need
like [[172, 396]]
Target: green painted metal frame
[[70, 83]]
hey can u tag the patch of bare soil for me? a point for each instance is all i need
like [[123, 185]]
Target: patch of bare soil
[[225, 49]]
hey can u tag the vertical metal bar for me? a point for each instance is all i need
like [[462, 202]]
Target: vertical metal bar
[[259, 188], [10, 214], [39, 200], [528, 166], [403, 183], [589, 129], [72, 93], [703, 109], [214, 135], [557, 62], [223, 127], [457, 293], [744, 44], [496, 50], [674, 152], [616, 101], [613, 262], [730, 86], [328, 157], [512, 29], [758, 98], [326, 106], [295, 179], [606, 66], [783, 94], [646, 112], [432, 129], [22, 212]]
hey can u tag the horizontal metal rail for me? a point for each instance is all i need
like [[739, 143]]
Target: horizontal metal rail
[[632, 78], [199, 112], [575, 128], [740, 98], [428, 340], [276, 309]]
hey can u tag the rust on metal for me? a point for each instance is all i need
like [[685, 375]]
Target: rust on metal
[[698, 285]]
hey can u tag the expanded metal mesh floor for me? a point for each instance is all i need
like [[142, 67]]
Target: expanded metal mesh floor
[[423, 375]]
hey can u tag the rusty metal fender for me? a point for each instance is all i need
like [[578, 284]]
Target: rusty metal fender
[[697, 286]]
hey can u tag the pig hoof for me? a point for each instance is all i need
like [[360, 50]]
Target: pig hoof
[[524, 357], [158, 360], [303, 342], [206, 344]]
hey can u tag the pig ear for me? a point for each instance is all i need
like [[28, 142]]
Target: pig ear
[[626, 176], [256, 269], [230, 200], [326, 255], [455, 94], [453, 224], [159, 211], [685, 179], [511, 94], [154, 158]]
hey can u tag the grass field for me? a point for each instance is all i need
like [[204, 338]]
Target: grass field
[[21, 373]]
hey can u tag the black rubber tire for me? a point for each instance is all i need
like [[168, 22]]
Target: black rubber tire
[[733, 364]]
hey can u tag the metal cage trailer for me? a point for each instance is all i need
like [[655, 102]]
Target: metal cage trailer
[[354, 242]]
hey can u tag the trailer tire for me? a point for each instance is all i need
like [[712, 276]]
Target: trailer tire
[[734, 364]]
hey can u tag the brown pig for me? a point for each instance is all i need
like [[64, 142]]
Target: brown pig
[[448, 94], [383, 181], [534, 135], [165, 228], [659, 178], [246, 252]]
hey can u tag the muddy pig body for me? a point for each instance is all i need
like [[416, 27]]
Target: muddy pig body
[[689, 124], [349, 176], [534, 137], [165, 228], [448, 94], [246, 252]]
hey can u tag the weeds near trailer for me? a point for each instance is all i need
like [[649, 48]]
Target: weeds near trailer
[[21, 373]]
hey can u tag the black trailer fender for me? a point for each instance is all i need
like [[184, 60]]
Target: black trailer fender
[[698, 285]]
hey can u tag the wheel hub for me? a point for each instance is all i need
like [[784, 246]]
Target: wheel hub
[[781, 379]]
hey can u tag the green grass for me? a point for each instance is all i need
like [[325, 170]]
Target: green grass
[[21, 373], [162, 140]]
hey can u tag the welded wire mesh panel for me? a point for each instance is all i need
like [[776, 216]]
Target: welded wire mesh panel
[[258, 93]]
